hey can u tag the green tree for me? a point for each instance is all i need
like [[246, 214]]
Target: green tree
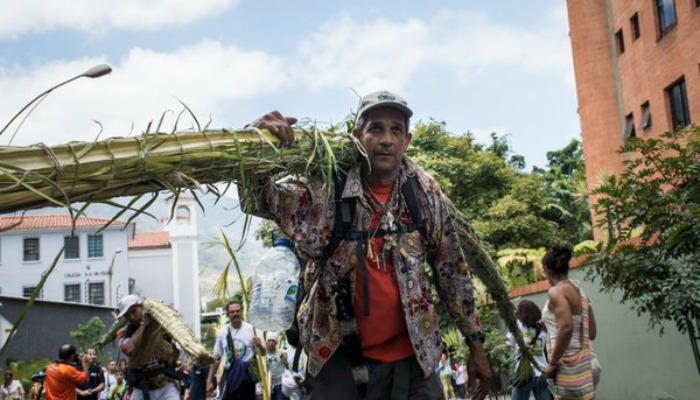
[[86, 335], [653, 211], [567, 194], [506, 205]]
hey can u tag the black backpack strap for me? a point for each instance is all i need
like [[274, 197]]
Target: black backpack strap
[[411, 196], [344, 216], [297, 356], [360, 254]]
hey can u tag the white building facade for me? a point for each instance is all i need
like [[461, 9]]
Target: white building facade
[[91, 270], [101, 264]]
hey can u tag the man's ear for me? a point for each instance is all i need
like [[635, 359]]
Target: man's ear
[[409, 137]]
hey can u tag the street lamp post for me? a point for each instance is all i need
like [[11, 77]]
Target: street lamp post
[[94, 72], [109, 274]]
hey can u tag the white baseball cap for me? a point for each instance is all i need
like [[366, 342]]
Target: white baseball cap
[[126, 302]]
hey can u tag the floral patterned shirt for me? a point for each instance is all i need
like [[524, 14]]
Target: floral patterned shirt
[[305, 211]]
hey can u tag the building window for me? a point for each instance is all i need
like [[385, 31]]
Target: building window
[[667, 15], [645, 123], [620, 42], [72, 247], [95, 246], [31, 249], [28, 291], [71, 293], [629, 127], [634, 27], [96, 293], [183, 215], [678, 102]]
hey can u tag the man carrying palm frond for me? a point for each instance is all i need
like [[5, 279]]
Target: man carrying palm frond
[[368, 323]]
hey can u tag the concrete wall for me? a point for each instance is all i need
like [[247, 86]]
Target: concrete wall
[[637, 363], [46, 327]]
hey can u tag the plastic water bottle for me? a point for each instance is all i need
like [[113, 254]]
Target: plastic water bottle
[[275, 287]]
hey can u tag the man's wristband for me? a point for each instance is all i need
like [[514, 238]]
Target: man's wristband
[[477, 336]]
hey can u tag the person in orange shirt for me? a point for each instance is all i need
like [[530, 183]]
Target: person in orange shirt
[[62, 376]]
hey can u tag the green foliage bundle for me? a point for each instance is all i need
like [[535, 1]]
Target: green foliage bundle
[[652, 213]]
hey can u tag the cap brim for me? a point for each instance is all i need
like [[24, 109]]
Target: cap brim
[[123, 313]]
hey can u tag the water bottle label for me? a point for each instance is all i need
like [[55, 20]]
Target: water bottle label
[[290, 298]]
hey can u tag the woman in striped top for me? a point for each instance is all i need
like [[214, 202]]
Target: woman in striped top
[[570, 324]]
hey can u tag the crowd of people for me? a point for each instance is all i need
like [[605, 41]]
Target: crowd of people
[[566, 326]]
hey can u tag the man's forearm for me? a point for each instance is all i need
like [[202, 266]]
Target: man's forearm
[[134, 341], [213, 368]]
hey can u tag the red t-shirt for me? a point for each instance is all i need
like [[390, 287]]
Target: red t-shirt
[[61, 381], [383, 332]]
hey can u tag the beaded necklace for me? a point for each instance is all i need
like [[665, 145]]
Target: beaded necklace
[[387, 222]]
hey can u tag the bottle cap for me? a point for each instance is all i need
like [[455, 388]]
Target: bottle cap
[[283, 241]]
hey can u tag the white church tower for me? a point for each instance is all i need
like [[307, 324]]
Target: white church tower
[[184, 241]]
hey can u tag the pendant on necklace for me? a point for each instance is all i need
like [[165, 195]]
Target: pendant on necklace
[[389, 244], [390, 221]]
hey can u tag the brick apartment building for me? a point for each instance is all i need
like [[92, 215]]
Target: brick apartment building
[[637, 68]]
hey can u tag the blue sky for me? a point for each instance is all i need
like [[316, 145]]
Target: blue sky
[[480, 66]]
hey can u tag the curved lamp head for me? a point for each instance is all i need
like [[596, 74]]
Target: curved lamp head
[[97, 71], [94, 72]]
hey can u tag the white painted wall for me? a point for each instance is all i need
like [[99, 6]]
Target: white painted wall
[[152, 272]]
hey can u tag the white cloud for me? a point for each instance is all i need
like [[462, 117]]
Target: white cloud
[[368, 55], [19, 17], [143, 85], [363, 55], [472, 42]]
